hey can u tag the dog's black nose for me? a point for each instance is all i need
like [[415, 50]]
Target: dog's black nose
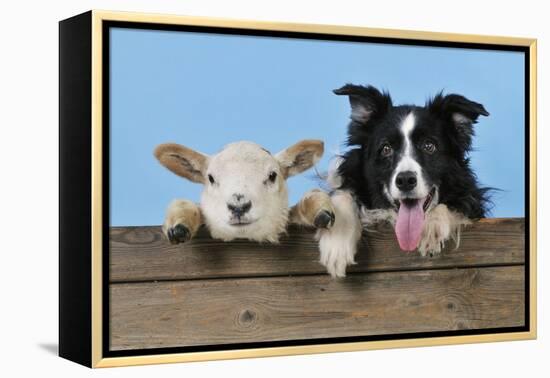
[[406, 181], [239, 210]]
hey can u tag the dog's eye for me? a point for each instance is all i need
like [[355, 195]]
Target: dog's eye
[[386, 150], [429, 146], [211, 179], [272, 176]]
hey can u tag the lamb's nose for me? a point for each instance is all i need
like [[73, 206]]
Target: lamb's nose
[[406, 181], [239, 210]]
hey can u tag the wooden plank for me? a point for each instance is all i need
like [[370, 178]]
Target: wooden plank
[[142, 253], [199, 312]]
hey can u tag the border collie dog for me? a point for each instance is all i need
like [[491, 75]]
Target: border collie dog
[[408, 165]]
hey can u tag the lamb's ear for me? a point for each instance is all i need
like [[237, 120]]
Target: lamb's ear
[[183, 161], [460, 112], [366, 102], [300, 156]]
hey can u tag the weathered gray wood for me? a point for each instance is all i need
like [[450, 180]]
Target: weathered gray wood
[[142, 253], [195, 312]]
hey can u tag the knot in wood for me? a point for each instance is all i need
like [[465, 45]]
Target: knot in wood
[[247, 318]]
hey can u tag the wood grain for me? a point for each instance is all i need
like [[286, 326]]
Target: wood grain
[[142, 253], [197, 312]]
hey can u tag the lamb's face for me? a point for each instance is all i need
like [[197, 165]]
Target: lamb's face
[[245, 194]]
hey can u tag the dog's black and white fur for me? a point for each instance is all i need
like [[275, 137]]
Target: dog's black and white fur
[[408, 165]]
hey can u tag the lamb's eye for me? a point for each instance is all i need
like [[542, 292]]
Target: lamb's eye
[[429, 146], [211, 179], [386, 150], [272, 176]]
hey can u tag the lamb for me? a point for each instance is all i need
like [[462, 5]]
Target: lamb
[[245, 194]]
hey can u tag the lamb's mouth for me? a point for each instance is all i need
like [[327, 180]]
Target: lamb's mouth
[[240, 222], [412, 201]]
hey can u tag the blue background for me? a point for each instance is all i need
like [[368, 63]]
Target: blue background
[[205, 90]]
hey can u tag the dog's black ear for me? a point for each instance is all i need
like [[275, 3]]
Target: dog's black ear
[[366, 102], [459, 111]]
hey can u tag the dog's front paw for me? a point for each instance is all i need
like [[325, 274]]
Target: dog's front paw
[[433, 239], [338, 244], [335, 257], [337, 249], [178, 234], [324, 219], [441, 225]]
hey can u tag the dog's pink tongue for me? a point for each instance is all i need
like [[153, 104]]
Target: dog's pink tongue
[[409, 224]]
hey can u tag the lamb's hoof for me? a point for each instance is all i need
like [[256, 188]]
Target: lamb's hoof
[[178, 234], [325, 219]]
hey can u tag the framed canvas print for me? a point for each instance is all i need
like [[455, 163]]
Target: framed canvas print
[[235, 189]]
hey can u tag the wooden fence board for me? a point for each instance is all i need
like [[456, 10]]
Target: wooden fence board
[[142, 253], [218, 311]]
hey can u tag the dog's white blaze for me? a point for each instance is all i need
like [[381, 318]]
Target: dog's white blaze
[[408, 163], [408, 126]]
